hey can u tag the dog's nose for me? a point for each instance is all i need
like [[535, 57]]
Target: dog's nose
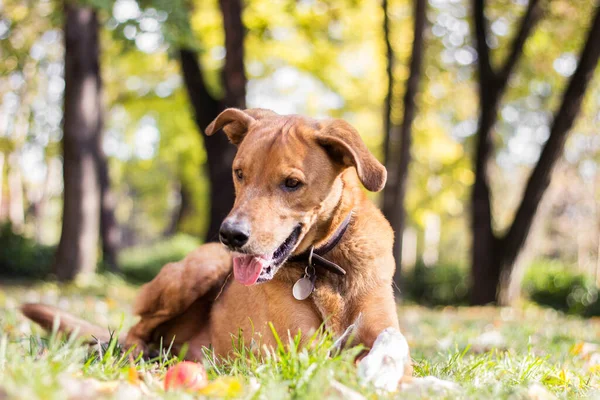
[[234, 234]]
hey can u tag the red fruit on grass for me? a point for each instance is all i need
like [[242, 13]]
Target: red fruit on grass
[[186, 375]]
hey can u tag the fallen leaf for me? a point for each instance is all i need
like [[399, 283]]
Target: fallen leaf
[[133, 376], [227, 386], [584, 349]]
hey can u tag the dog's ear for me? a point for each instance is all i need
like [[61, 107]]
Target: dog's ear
[[344, 145], [235, 122]]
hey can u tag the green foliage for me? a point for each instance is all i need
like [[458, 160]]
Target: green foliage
[[142, 263], [21, 257], [445, 284], [548, 283], [551, 284]]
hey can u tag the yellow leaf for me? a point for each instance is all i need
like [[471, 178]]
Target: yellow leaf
[[132, 376], [563, 376], [594, 369], [223, 387], [577, 348]]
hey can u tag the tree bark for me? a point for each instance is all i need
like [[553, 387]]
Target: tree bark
[[398, 157], [389, 130], [486, 264], [220, 153], [182, 211], [1, 185], [110, 232], [82, 124], [234, 75], [410, 109], [493, 257]]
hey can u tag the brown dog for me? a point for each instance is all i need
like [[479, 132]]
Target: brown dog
[[298, 190]]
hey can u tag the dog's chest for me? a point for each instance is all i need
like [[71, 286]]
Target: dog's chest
[[251, 310], [328, 296]]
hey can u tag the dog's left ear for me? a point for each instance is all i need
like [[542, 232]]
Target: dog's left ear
[[344, 145], [234, 122]]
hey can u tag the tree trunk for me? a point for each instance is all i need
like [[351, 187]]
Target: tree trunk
[[233, 74], [1, 185], [82, 124], [390, 131], [493, 258], [398, 157], [219, 152], [563, 121], [485, 252], [182, 211], [484, 271], [110, 232]]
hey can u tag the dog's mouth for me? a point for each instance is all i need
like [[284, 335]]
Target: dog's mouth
[[249, 269]]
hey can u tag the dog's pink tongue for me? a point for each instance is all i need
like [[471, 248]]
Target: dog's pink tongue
[[246, 269]]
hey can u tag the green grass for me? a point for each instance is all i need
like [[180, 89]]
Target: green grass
[[534, 348]]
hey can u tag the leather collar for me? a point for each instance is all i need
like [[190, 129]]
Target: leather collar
[[318, 253]]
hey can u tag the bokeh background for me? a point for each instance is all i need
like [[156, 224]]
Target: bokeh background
[[473, 106]]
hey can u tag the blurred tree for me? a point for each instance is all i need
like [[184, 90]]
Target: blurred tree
[[493, 257], [1, 182], [110, 233], [82, 133], [387, 102], [219, 152], [397, 142]]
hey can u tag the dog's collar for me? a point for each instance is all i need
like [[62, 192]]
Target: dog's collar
[[316, 258]]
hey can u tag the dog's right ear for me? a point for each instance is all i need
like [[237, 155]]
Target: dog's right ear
[[234, 122]]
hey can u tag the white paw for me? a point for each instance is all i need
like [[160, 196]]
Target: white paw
[[384, 366]]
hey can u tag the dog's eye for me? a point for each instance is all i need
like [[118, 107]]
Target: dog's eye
[[291, 184], [239, 174]]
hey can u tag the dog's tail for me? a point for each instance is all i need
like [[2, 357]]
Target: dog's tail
[[45, 315]]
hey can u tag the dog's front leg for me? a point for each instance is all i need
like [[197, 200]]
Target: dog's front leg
[[388, 360]]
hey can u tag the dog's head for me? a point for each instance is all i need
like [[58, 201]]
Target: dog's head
[[287, 179]]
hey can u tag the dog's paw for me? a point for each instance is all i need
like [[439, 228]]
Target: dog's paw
[[385, 364]]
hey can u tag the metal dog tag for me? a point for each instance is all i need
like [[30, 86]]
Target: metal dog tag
[[305, 285], [303, 288]]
